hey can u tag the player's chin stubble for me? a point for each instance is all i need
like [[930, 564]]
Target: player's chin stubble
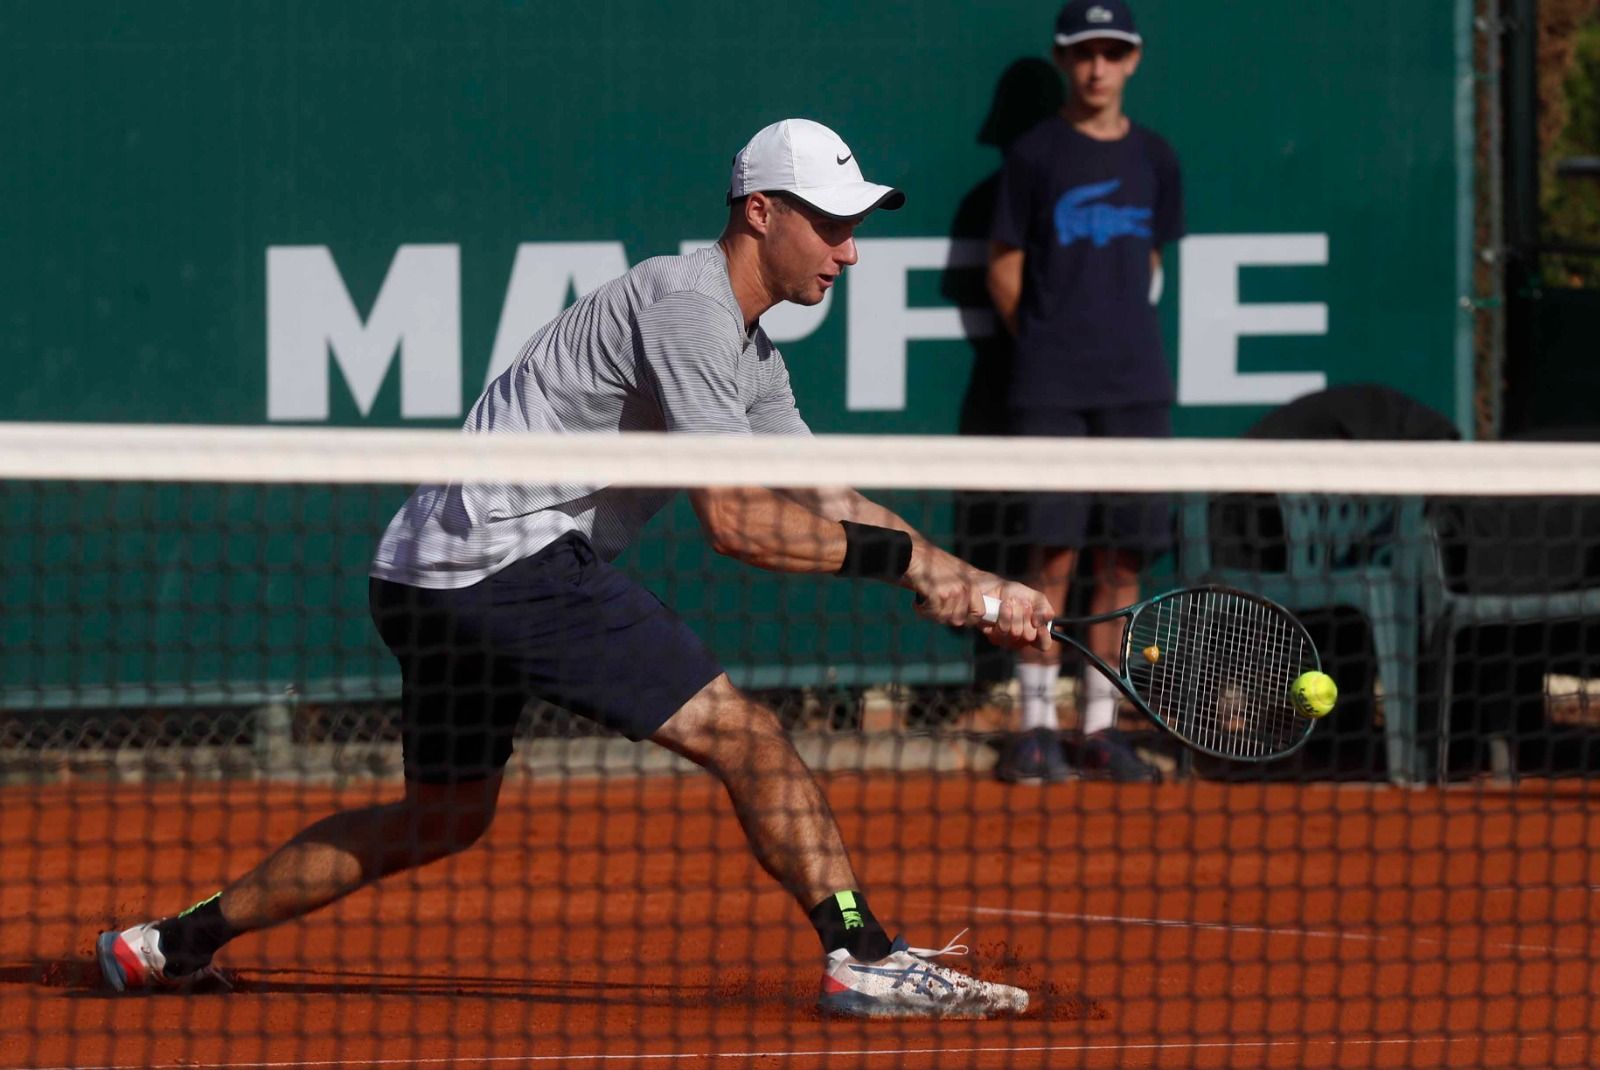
[[810, 293]]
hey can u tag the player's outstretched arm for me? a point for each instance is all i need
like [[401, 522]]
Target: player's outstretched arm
[[769, 530], [951, 590], [948, 589]]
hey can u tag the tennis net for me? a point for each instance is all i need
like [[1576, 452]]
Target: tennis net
[[191, 676]]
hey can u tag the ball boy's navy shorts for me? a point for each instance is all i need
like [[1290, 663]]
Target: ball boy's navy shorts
[[1138, 523]]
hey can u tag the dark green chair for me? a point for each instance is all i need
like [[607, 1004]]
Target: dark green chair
[[1504, 562]]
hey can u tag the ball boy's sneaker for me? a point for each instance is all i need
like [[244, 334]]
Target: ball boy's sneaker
[[906, 984], [1033, 757], [1108, 755]]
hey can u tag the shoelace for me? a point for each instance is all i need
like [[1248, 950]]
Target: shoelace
[[952, 948], [207, 975]]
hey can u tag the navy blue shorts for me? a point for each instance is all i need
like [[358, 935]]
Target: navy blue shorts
[[562, 626], [1137, 523]]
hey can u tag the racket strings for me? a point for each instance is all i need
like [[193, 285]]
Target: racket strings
[[1222, 671]]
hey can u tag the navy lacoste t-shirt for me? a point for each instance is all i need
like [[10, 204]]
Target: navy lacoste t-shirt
[[1087, 215]]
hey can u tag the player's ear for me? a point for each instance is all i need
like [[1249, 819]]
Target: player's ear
[[759, 209]]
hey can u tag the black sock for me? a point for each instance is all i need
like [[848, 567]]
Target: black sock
[[843, 920], [190, 939]]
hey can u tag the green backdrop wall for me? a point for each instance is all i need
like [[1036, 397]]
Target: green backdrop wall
[[161, 157]]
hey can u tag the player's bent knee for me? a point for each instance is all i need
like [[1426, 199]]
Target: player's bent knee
[[442, 819], [721, 726]]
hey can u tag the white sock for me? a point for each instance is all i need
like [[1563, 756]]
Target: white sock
[[1037, 683], [1099, 703]]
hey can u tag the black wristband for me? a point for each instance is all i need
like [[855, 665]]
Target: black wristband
[[874, 553]]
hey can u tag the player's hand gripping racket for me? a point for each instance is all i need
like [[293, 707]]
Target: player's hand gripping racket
[[1212, 665]]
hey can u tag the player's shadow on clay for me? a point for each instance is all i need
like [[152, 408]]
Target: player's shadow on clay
[[72, 976], [80, 979], [561, 991], [77, 978]]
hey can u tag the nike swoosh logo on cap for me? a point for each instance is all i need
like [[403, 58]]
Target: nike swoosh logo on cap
[[842, 160]]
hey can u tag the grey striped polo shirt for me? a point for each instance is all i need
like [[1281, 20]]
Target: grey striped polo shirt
[[663, 348]]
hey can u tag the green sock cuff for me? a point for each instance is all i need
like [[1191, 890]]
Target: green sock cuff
[[843, 920], [215, 898]]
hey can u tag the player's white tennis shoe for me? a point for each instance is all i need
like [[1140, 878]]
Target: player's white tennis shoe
[[132, 959], [907, 985]]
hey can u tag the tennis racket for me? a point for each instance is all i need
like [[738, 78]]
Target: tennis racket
[[1212, 665]]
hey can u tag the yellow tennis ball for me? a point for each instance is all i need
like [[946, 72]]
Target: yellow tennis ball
[[1314, 694]]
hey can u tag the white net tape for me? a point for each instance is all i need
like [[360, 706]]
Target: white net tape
[[319, 455]]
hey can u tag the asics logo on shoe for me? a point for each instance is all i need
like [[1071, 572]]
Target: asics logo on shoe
[[920, 978]]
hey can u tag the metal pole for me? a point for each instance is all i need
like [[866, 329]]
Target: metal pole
[[1490, 282], [1522, 105], [1519, 162]]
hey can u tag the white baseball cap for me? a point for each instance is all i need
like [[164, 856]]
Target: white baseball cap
[[808, 160]]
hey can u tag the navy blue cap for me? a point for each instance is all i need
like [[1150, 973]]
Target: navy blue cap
[[1085, 20]]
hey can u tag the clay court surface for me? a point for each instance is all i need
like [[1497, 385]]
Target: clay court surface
[[619, 922]]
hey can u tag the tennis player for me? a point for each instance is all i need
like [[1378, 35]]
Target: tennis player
[[491, 595]]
